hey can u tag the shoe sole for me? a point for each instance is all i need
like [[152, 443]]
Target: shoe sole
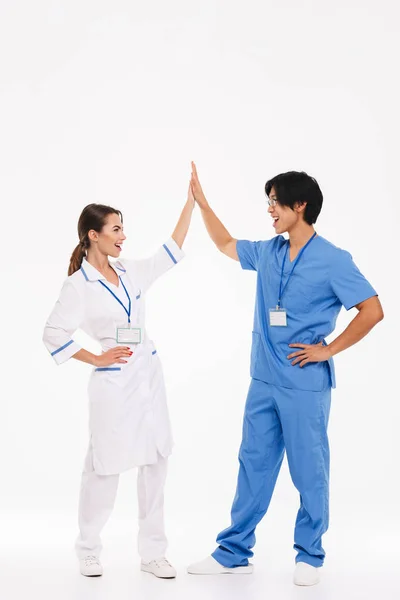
[[235, 571], [94, 575], [145, 569]]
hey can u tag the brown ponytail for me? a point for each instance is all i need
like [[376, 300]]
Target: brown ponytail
[[76, 258], [93, 216]]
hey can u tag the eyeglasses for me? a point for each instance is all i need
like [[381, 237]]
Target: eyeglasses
[[272, 202]]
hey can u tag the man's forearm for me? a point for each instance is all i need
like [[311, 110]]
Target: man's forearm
[[362, 324], [216, 230]]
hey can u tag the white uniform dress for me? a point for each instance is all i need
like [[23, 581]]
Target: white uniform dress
[[128, 415]]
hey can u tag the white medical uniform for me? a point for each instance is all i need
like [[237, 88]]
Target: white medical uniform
[[128, 415]]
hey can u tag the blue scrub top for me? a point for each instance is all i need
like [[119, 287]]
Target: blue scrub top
[[325, 279]]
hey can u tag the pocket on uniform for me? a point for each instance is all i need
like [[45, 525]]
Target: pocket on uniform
[[255, 349], [299, 299], [102, 376], [153, 348]]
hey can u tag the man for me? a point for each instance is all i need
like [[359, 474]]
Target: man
[[302, 284]]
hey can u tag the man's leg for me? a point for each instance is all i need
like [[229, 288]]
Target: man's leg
[[97, 498], [304, 417], [260, 457]]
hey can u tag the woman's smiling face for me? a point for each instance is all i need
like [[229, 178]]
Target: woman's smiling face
[[110, 239]]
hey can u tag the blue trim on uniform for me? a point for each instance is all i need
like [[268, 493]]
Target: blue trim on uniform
[[128, 311], [62, 347], [119, 268], [84, 274], [170, 253], [154, 352], [137, 297], [108, 369]]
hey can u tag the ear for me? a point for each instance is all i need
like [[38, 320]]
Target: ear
[[93, 235], [300, 207]]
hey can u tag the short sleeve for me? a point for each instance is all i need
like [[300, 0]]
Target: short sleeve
[[249, 254], [348, 283], [146, 271], [64, 320]]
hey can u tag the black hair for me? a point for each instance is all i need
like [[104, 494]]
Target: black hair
[[296, 186]]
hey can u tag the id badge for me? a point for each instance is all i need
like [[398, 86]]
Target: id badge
[[277, 317], [129, 335]]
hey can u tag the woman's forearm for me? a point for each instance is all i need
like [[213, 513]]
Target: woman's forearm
[[182, 227], [85, 356]]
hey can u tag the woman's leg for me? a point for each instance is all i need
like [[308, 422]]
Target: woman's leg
[[97, 497], [152, 541]]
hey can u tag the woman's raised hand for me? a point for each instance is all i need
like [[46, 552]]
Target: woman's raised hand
[[190, 198], [197, 191]]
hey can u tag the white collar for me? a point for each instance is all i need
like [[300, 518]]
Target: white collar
[[90, 273]]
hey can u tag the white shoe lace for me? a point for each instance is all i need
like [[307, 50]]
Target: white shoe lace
[[162, 562], [91, 560]]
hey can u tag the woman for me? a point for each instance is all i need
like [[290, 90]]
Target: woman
[[128, 415]]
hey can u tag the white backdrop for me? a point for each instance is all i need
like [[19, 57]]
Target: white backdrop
[[108, 101]]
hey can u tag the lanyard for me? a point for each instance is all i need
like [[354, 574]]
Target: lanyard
[[128, 312], [282, 291]]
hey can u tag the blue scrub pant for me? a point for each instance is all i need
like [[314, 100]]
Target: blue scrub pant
[[278, 419]]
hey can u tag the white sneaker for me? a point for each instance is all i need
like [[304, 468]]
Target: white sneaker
[[210, 566], [91, 566], [160, 568], [305, 574]]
